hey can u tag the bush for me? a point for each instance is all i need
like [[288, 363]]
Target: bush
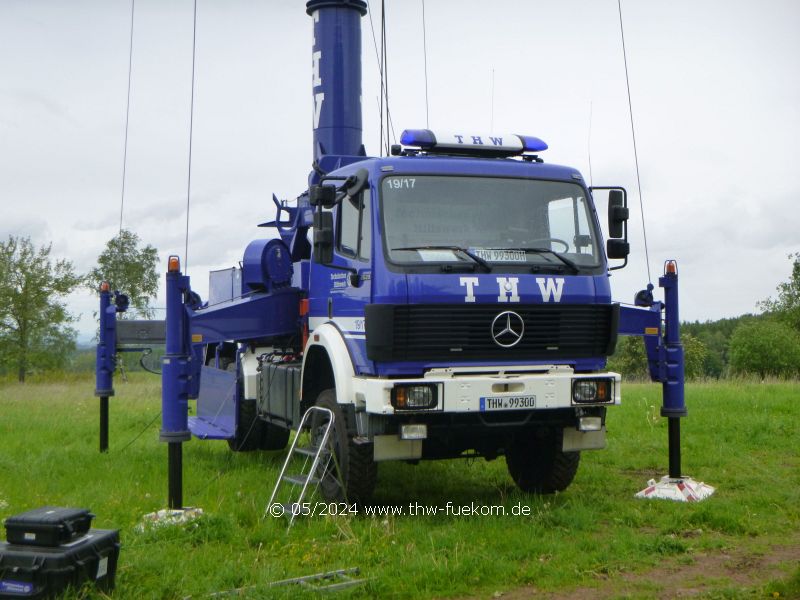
[[765, 347], [630, 359]]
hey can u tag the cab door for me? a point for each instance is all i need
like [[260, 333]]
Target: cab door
[[350, 273]]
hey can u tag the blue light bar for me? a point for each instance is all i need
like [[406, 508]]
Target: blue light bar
[[422, 138], [533, 144], [502, 145]]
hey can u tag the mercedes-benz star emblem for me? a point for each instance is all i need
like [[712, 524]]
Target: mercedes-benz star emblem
[[507, 329]]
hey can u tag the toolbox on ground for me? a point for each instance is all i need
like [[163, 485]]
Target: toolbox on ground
[[48, 526], [39, 572]]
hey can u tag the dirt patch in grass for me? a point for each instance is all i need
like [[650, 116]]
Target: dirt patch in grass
[[683, 577]]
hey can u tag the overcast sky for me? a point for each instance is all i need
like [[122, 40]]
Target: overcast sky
[[714, 85]]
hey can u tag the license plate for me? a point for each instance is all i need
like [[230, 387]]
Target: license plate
[[507, 402], [500, 254]]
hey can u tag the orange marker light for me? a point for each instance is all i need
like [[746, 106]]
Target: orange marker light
[[671, 267], [303, 314], [104, 287], [400, 397], [173, 264]]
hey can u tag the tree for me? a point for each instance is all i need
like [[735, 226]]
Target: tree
[[765, 347], [129, 268], [631, 361], [694, 356], [34, 322], [787, 305]]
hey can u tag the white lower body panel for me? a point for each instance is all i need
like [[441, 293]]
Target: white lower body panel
[[484, 389]]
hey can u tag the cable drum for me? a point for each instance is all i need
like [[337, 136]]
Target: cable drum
[[266, 265]]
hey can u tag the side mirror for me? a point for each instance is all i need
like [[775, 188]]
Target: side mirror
[[323, 237], [322, 195], [356, 183], [617, 215], [617, 248]]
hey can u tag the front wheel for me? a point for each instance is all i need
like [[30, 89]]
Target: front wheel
[[537, 464], [359, 472]]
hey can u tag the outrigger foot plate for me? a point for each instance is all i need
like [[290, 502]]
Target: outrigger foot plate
[[169, 517], [683, 489]]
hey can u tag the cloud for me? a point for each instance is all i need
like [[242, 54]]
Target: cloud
[[716, 121]]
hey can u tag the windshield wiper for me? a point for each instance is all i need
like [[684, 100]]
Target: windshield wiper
[[475, 258], [569, 262]]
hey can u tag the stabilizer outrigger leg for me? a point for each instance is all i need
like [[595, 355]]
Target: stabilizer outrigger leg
[[106, 358], [177, 383], [665, 361]]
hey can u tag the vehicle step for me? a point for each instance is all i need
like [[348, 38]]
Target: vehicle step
[[301, 479]]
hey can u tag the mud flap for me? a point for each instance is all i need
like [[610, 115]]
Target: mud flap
[[575, 440]]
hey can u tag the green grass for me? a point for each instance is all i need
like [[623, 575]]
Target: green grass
[[741, 437]]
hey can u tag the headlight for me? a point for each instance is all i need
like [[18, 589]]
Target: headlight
[[414, 396], [591, 391]]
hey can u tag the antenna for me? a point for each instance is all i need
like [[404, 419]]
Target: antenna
[[425, 54], [491, 118], [589, 145]]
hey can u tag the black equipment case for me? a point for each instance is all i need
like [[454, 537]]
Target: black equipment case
[[48, 526], [39, 572]]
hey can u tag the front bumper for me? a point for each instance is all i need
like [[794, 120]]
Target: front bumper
[[485, 390]]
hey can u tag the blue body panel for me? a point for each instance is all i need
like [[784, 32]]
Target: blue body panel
[[433, 288], [458, 165], [331, 294], [637, 321], [216, 405], [249, 317]]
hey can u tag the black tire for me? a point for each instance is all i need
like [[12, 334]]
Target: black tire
[[537, 464], [359, 470], [273, 437], [249, 430]]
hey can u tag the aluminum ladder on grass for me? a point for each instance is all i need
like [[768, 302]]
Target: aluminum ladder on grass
[[321, 456], [332, 581]]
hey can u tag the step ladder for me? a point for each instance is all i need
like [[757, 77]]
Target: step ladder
[[326, 582], [312, 460]]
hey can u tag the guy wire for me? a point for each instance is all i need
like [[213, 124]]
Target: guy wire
[[633, 135], [191, 131], [127, 120]]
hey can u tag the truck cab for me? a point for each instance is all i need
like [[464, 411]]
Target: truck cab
[[458, 304]]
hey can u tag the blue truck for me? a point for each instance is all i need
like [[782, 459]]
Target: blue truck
[[451, 299]]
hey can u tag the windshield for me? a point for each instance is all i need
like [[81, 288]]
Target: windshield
[[474, 220]]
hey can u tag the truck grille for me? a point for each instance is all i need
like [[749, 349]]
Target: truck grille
[[434, 332]]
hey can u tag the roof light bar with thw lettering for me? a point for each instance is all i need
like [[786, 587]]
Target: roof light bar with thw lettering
[[471, 144]]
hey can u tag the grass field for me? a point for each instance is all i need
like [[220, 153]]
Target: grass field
[[595, 539]]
